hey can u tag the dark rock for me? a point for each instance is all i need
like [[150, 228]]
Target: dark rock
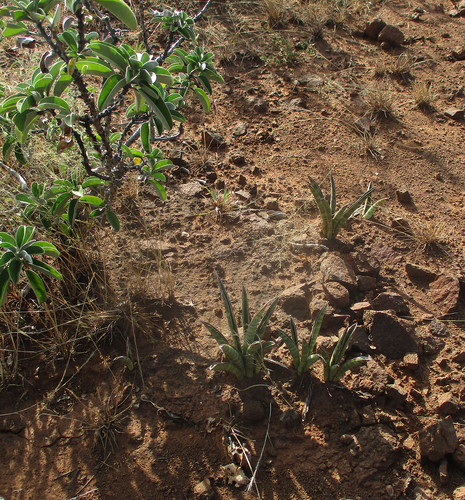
[[438, 328], [378, 449], [298, 103], [242, 181], [261, 106], [256, 171], [392, 35], [443, 472], [385, 46], [359, 340], [294, 301], [336, 269], [364, 264], [403, 195], [411, 361], [455, 113], [390, 301], [191, 189], [237, 157], [459, 53], [397, 396], [445, 293], [337, 295], [290, 418], [373, 379], [368, 415], [438, 439], [391, 336], [447, 404], [366, 283], [212, 139], [240, 130], [373, 28], [459, 457], [211, 176], [419, 273], [176, 157]]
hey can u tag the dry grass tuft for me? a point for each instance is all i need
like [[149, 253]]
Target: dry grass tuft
[[275, 12], [423, 235], [380, 100], [424, 94]]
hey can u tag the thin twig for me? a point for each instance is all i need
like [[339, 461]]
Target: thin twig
[[252, 481], [18, 177]]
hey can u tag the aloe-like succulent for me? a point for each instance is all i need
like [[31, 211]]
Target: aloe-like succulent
[[243, 358], [21, 253], [332, 221], [304, 358], [334, 366]]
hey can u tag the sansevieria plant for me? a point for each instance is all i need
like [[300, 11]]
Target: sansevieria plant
[[21, 254], [305, 358], [244, 356], [332, 221]]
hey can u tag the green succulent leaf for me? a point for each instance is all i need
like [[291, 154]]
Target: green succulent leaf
[[292, 346], [112, 218], [14, 270], [229, 315], [37, 285], [227, 367], [233, 356], [44, 268], [4, 280], [121, 11]]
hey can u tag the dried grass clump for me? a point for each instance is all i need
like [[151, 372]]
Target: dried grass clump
[[423, 235], [275, 11], [380, 100], [424, 94]]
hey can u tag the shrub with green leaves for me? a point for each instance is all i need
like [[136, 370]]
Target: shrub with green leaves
[[21, 254], [246, 357], [332, 221], [335, 365], [304, 358], [87, 83]]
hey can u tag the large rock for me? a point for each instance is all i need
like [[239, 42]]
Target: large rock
[[372, 378], [294, 301], [392, 35], [445, 293], [391, 336], [373, 28], [438, 439], [337, 294], [336, 269], [375, 449], [364, 264], [390, 301], [419, 273]]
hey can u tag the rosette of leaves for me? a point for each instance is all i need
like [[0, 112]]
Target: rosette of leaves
[[335, 365], [244, 357], [21, 254], [333, 220], [304, 358]]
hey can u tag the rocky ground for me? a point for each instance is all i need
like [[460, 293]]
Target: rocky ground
[[82, 425]]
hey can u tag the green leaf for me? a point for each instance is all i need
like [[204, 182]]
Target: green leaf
[[72, 211], [245, 310], [126, 360], [61, 203], [91, 200], [23, 235], [112, 218], [5, 258], [4, 280], [46, 247], [159, 189], [349, 365], [203, 98], [14, 29], [61, 84], [145, 134], [54, 103], [8, 147], [121, 11], [156, 104], [37, 285], [227, 367], [316, 329], [342, 345], [8, 239], [233, 356], [216, 334], [266, 318], [111, 54], [110, 88], [24, 122], [229, 315], [44, 268], [14, 270], [95, 67], [292, 346]]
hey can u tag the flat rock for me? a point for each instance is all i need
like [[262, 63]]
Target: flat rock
[[386, 254], [392, 336], [455, 113], [336, 269], [191, 189], [411, 361], [358, 309], [392, 35], [445, 293], [298, 102], [337, 294], [419, 273], [240, 129], [438, 328], [373, 28], [390, 301], [438, 439], [397, 396], [204, 490]]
